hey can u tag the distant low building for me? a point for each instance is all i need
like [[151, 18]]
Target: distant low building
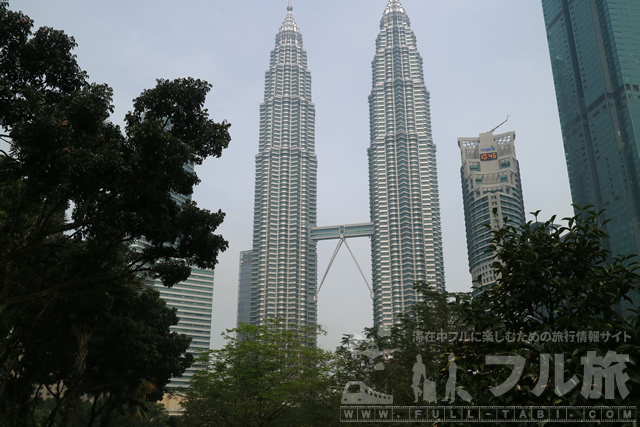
[[244, 288]]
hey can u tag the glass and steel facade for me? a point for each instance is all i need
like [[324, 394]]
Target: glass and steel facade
[[284, 260], [491, 192], [403, 185], [594, 47]]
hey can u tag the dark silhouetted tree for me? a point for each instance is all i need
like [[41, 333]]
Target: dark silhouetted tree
[[75, 192]]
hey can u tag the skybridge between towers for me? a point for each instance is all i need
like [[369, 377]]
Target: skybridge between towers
[[342, 233]]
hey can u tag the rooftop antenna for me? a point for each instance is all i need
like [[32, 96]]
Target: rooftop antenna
[[289, 8], [505, 121]]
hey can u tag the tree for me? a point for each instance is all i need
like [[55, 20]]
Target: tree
[[75, 192], [155, 416], [64, 154], [264, 375], [554, 280], [385, 361], [554, 277], [427, 329], [128, 354], [104, 343]]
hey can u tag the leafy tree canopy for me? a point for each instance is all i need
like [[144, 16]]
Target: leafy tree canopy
[[384, 360], [75, 192], [555, 280], [556, 297], [64, 154], [264, 375], [557, 276]]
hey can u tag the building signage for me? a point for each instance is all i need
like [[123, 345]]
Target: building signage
[[489, 156]]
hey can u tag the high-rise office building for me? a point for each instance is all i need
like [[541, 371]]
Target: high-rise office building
[[193, 300], [406, 246], [594, 47], [491, 191], [284, 260]]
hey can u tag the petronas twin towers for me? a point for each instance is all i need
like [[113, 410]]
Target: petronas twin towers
[[284, 261], [406, 245], [406, 239]]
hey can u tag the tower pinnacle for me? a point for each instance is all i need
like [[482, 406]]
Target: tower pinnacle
[[289, 23], [394, 6]]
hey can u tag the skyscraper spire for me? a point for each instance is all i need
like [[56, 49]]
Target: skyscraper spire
[[289, 23], [394, 6]]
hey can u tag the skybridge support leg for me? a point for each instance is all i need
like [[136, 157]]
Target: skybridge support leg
[[359, 269], [329, 266], [333, 257]]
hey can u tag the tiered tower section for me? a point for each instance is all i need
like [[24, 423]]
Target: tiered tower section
[[284, 260], [403, 183]]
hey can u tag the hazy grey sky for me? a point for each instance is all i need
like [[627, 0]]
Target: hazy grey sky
[[483, 59]]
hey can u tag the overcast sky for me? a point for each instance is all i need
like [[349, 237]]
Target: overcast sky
[[483, 59]]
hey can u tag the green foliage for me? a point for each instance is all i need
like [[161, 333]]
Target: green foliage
[[264, 375], [75, 192], [106, 339], [440, 313], [154, 415], [353, 363], [552, 279], [64, 154], [392, 372]]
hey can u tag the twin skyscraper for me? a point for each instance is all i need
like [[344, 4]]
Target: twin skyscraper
[[279, 276], [595, 55]]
